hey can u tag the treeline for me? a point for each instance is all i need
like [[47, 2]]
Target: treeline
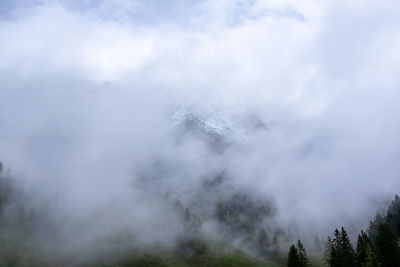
[[377, 247], [22, 233]]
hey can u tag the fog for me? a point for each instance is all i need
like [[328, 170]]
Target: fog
[[92, 97]]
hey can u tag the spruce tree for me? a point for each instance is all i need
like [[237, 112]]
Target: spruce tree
[[371, 259], [347, 251], [303, 260], [341, 252], [328, 251], [336, 255], [387, 246], [363, 242], [393, 215], [293, 257], [373, 225]]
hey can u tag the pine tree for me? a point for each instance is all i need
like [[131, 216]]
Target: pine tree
[[303, 260], [363, 243], [387, 246], [348, 254], [373, 225], [293, 257], [371, 259], [336, 255], [393, 215], [341, 252], [328, 251]]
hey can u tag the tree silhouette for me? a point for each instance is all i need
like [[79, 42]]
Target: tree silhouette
[[293, 257], [393, 215], [371, 259], [363, 243], [303, 260], [340, 252], [387, 246], [373, 225], [347, 251], [328, 251]]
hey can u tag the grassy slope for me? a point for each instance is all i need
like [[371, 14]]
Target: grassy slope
[[218, 254], [317, 261], [236, 259]]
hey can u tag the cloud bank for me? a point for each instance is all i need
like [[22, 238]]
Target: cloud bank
[[88, 94]]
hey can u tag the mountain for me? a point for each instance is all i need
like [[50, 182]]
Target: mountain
[[219, 131]]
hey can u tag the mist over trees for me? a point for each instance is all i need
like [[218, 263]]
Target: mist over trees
[[297, 256], [199, 133], [379, 248], [239, 217]]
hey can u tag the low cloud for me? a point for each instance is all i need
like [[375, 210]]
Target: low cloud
[[89, 95]]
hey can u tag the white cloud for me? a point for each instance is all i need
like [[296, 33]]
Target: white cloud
[[90, 93]]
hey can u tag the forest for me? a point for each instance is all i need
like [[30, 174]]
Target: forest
[[26, 234], [378, 246]]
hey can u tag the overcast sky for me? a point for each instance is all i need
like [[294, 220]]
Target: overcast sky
[[87, 88]]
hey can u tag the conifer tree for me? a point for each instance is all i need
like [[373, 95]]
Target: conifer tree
[[347, 251], [363, 243], [293, 257], [341, 252], [328, 251], [387, 246], [336, 256], [393, 215], [303, 260], [373, 225], [371, 259]]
